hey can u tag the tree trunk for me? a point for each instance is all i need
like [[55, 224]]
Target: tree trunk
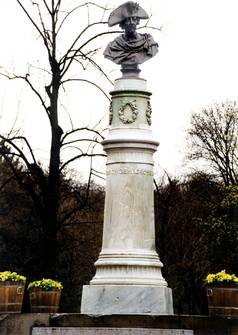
[[52, 196]]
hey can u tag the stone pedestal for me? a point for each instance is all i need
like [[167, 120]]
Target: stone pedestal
[[128, 277], [108, 331]]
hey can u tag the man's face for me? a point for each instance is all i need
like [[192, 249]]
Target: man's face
[[129, 24]]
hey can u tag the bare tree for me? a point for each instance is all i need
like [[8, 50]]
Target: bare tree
[[49, 17], [213, 137]]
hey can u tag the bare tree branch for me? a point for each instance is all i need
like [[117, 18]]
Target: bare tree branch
[[20, 152], [73, 147], [89, 82], [63, 60], [36, 26], [11, 178], [10, 139], [45, 31], [80, 6], [47, 7], [85, 56], [81, 140], [78, 157], [98, 176], [68, 133], [31, 86], [213, 135]]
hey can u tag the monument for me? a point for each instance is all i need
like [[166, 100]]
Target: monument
[[128, 277]]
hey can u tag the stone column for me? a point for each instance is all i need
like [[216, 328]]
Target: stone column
[[128, 277]]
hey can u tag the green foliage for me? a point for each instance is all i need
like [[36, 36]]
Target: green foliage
[[183, 244], [78, 239], [221, 226], [196, 234], [45, 284], [230, 196], [11, 276]]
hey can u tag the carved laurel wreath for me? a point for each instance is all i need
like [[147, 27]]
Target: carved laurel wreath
[[133, 115]]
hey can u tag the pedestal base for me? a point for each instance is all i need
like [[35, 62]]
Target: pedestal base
[[102, 299], [108, 331]]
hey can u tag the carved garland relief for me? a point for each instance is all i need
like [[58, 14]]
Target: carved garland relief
[[110, 114], [148, 113], [128, 112]]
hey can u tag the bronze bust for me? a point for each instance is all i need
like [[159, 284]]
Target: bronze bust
[[131, 48]]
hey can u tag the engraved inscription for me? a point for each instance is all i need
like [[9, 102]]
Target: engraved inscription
[[130, 171]]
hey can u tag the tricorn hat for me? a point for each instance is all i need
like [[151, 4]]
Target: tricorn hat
[[128, 9]]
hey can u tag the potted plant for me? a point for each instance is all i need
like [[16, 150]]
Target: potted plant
[[12, 286], [222, 293], [44, 295]]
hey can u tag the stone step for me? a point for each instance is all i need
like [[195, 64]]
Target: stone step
[[107, 331]]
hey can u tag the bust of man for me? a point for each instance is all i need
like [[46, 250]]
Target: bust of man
[[131, 48]]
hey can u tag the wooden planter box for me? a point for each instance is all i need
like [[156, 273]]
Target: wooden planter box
[[223, 300], [11, 296], [44, 301]]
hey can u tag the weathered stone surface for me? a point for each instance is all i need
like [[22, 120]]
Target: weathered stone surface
[[200, 324], [108, 331], [127, 300], [21, 324], [128, 277], [3, 331]]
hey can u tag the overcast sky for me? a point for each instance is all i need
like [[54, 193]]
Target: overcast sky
[[197, 64]]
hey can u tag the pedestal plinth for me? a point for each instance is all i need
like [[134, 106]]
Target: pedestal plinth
[[128, 277], [108, 331]]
